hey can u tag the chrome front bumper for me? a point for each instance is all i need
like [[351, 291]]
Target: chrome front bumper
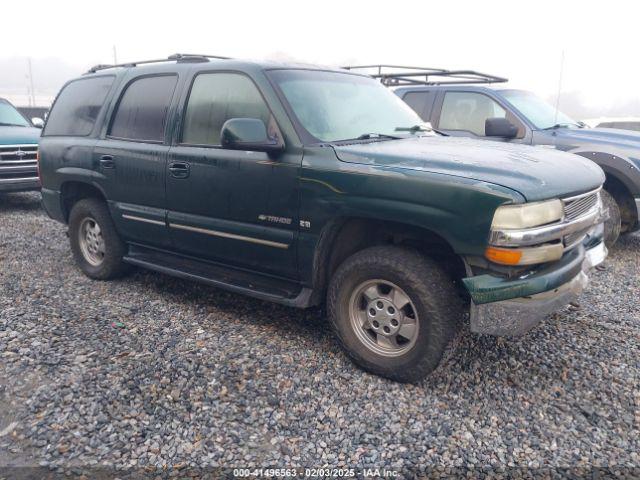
[[517, 316]]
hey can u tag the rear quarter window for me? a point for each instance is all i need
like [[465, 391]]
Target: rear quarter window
[[75, 110]]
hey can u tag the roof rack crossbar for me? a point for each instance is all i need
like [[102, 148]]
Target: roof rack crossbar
[[398, 75], [177, 57]]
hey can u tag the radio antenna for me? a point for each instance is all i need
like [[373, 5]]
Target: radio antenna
[[555, 121]]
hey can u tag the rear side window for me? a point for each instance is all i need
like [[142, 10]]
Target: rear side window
[[77, 106], [216, 98], [142, 110], [421, 103]]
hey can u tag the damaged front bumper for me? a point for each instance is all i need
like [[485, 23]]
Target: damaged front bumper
[[509, 307]]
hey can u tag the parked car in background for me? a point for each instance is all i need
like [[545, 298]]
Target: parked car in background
[[18, 151], [622, 123], [464, 104], [309, 186]]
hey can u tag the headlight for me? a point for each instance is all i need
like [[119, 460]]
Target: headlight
[[514, 234], [527, 215]]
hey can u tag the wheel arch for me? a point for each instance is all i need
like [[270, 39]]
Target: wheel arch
[[73, 191], [345, 236], [623, 185]]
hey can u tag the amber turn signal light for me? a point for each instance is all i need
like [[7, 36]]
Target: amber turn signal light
[[503, 256]]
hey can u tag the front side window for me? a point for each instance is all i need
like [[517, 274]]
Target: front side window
[[334, 106], [468, 111], [77, 107], [143, 108], [10, 117], [537, 111], [216, 98]]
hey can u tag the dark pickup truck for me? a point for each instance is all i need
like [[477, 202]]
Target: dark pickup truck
[[314, 186], [463, 104]]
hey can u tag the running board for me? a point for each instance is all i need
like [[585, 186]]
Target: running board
[[255, 285]]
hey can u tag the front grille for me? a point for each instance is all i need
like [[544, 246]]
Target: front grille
[[17, 152], [18, 162], [573, 239], [575, 207]]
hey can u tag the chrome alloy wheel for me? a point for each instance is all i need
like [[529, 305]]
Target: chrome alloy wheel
[[91, 241], [383, 318]]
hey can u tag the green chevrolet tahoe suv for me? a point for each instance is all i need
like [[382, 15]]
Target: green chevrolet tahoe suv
[[305, 186]]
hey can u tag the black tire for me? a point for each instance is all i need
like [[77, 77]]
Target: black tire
[[438, 306], [111, 265], [613, 222]]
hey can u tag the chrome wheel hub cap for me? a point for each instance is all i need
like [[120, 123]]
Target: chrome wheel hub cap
[[383, 318], [91, 241]]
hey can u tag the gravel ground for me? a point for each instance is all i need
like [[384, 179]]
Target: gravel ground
[[154, 371]]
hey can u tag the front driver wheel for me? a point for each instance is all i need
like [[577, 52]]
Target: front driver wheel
[[394, 311]]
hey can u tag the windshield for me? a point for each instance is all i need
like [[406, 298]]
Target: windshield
[[537, 111], [333, 106], [9, 116]]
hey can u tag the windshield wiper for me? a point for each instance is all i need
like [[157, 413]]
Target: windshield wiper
[[2, 124], [420, 128], [561, 125], [415, 128], [367, 136]]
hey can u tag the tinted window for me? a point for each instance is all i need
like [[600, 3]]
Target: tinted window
[[214, 99], [468, 111], [77, 106], [421, 103], [142, 110]]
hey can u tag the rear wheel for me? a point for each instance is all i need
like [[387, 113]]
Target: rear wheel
[[394, 311], [96, 246], [613, 221]]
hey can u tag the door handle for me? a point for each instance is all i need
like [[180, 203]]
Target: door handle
[[106, 161], [179, 169]]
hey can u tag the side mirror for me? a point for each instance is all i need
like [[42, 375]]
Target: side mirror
[[248, 134], [500, 127], [37, 122]]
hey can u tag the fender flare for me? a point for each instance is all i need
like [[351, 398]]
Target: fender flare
[[623, 169]]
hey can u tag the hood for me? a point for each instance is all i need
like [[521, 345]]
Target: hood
[[19, 135], [537, 173], [599, 136]]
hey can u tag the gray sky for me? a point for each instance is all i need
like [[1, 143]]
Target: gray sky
[[521, 40]]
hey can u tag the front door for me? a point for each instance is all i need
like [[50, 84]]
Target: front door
[[131, 160], [239, 208]]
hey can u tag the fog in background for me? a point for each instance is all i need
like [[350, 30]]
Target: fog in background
[[524, 41]]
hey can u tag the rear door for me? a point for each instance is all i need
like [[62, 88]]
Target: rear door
[[132, 155], [234, 207]]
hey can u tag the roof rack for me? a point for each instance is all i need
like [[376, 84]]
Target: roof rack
[[177, 57], [398, 75]]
